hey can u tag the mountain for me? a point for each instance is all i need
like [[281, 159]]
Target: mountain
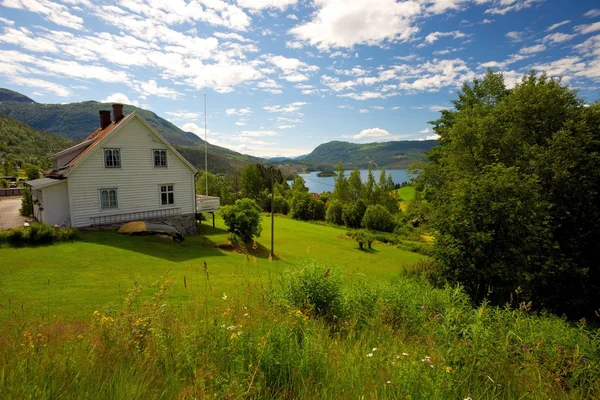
[[397, 154], [78, 120], [24, 143], [9, 95]]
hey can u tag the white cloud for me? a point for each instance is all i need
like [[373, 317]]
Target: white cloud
[[432, 137], [120, 98], [7, 21], [240, 123], [192, 127], [434, 36], [487, 21], [285, 126], [346, 23], [262, 4], [258, 133], [232, 36], [592, 13], [371, 132], [438, 108], [558, 24], [505, 6], [151, 87], [53, 12], [59, 90], [532, 49], [184, 114], [290, 108], [292, 16], [585, 29], [238, 111], [426, 130], [515, 36], [294, 45], [363, 111], [557, 38]]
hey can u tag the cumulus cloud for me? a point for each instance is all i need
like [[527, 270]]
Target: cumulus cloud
[[592, 13], [120, 98], [372, 133], [238, 111], [289, 108], [532, 49], [557, 38], [258, 133], [346, 23], [49, 10], [434, 36], [262, 4], [558, 24], [585, 29], [192, 127], [184, 114]]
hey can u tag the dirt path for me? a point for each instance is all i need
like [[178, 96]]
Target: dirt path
[[9, 212]]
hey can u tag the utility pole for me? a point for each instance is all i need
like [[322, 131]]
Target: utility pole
[[272, 211], [205, 148]]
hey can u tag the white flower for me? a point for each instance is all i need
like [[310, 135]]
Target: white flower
[[374, 348], [245, 315], [388, 382], [405, 354], [370, 355], [224, 296], [231, 328]]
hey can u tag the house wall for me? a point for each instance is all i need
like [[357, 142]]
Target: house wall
[[55, 204], [137, 181]]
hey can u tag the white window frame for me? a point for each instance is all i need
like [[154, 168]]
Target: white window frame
[[160, 193], [154, 158], [102, 207], [104, 157]]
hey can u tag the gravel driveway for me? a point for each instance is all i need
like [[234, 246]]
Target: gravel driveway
[[9, 212]]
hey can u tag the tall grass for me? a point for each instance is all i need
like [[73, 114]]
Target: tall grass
[[313, 332]]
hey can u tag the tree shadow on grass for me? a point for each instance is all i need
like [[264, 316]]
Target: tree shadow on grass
[[251, 248], [370, 251], [208, 230], [193, 247]]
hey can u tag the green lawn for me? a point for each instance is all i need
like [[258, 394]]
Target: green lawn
[[72, 280], [406, 193]]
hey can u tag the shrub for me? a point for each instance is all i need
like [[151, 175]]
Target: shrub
[[334, 212], [243, 219], [353, 213], [37, 234], [41, 234], [305, 207], [282, 206], [364, 238], [26, 203], [16, 237], [3, 183], [378, 218], [316, 290]]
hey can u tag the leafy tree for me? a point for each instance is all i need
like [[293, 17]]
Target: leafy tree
[[32, 171], [369, 186], [299, 186], [243, 219], [378, 218], [252, 182], [355, 185], [334, 212], [26, 203], [3, 183], [341, 189], [354, 213], [305, 207], [514, 189]]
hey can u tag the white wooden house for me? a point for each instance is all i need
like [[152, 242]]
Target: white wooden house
[[123, 171]]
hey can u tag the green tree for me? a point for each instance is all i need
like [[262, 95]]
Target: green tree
[[354, 213], [514, 189], [334, 212], [305, 207], [369, 186], [355, 185], [26, 203], [252, 182], [341, 189], [378, 218], [243, 219], [32, 171]]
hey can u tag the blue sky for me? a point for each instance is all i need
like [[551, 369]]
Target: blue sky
[[283, 76]]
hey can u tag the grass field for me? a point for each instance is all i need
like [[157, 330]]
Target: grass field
[[406, 193], [72, 280]]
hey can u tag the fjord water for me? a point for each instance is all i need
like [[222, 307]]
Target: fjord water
[[316, 184]]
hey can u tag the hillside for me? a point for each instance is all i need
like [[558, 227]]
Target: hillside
[[77, 120], [9, 95], [397, 154], [23, 142]]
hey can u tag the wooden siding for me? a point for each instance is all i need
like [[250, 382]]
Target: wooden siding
[[137, 181], [56, 204]]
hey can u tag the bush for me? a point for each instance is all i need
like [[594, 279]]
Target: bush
[[26, 204], [305, 207], [3, 183], [364, 238], [37, 234], [243, 219], [334, 212], [378, 218], [354, 213], [282, 206], [317, 290]]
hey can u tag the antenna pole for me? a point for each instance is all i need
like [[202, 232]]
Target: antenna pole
[[205, 148]]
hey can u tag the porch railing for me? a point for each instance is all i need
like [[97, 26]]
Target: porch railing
[[135, 216]]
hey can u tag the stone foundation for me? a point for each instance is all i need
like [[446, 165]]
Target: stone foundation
[[186, 224]]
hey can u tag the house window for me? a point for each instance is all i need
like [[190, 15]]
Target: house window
[[160, 158], [112, 158], [167, 196], [108, 198]]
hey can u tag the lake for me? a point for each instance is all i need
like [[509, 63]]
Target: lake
[[325, 184]]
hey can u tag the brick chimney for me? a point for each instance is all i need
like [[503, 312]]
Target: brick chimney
[[117, 112], [104, 118]]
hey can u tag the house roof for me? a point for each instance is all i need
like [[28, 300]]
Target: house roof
[[41, 183], [98, 136]]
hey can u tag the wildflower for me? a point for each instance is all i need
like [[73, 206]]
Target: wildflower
[[560, 349], [468, 398], [405, 354], [233, 336], [79, 336], [374, 349], [231, 328], [584, 359], [97, 314], [224, 296], [370, 355], [422, 307], [448, 370], [246, 314], [388, 382], [525, 348]]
